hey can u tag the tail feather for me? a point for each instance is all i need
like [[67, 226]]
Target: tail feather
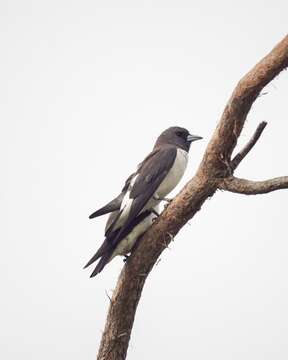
[[101, 264], [98, 254], [113, 205]]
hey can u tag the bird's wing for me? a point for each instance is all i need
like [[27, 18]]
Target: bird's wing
[[115, 204], [106, 249], [114, 207], [150, 174], [112, 221]]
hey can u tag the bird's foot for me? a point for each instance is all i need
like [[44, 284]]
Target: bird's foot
[[155, 213], [168, 202], [156, 197]]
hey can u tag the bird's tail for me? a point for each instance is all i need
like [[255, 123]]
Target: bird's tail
[[113, 205], [99, 253], [105, 258], [101, 264]]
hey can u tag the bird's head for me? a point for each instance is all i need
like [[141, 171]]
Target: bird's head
[[177, 136]]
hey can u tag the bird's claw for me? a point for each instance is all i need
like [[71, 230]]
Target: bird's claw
[[156, 197], [168, 202], [155, 213]]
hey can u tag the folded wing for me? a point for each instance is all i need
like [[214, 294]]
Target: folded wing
[[149, 176]]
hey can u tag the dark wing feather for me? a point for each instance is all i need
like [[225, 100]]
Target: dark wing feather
[[106, 249], [112, 220], [115, 204], [150, 175], [127, 183]]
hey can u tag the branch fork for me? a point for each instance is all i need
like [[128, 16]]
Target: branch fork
[[249, 187]]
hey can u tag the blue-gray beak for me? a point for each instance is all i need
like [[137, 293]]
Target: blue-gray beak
[[191, 138]]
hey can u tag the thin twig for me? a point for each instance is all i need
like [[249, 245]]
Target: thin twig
[[106, 292], [240, 156]]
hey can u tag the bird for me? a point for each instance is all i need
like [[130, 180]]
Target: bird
[[133, 211]]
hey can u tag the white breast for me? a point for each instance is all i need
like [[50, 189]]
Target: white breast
[[175, 174]]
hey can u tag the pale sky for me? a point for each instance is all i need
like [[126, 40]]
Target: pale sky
[[86, 88]]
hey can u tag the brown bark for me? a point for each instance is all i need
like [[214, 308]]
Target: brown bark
[[214, 172], [248, 187]]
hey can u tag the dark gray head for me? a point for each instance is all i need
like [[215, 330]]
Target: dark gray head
[[177, 136]]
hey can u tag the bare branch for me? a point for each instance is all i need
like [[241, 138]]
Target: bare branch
[[224, 139], [240, 156], [249, 187], [214, 167]]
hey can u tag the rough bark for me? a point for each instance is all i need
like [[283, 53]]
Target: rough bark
[[249, 187], [215, 171]]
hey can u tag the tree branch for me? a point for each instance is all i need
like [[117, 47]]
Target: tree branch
[[248, 187], [224, 139], [214, 167], [240, 156], [132, 278]]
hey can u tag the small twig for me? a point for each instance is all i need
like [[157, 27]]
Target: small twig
[[240, 156], [263, 94], [158, 261], [108, 296]]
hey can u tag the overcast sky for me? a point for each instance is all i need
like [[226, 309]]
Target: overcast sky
[[86, 87]]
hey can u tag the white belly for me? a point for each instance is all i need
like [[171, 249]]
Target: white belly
[[126, 244]]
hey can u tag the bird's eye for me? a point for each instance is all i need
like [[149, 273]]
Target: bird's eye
[[181, 134]]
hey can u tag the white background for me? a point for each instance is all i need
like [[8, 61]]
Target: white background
[[86, 87]]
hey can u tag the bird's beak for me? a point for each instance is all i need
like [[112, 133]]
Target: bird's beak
[[191, 138]]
